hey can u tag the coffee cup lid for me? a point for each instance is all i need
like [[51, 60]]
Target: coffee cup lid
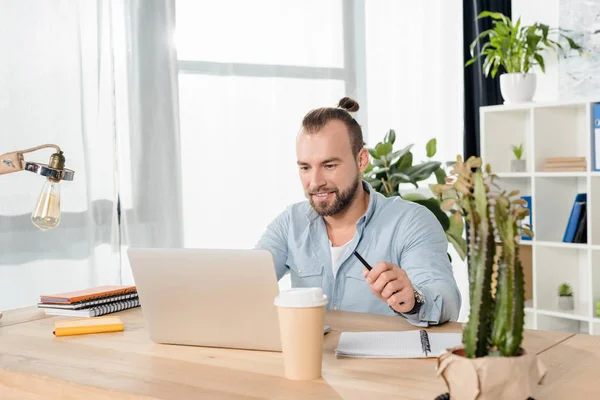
[[301, 297]]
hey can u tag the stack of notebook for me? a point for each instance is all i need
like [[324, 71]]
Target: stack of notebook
[[90, 302], [565, 164]]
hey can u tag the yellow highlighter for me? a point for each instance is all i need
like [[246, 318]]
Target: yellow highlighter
[[88, 325]]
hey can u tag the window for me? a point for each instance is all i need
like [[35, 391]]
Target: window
[[246, 80], [249, 71]]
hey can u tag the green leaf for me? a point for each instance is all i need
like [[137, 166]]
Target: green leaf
[[431, 147], [493, 15], [572, 43], [377, 163], [434, 206], [397, 155], [380, 169], [405, 162], [423, 171], [440, 176], [472, 60], [368, 169], [375, 183], [540, 61], [405, 178], [372, 152], [390, 137], [383, 149], [544, 30], [400, 177]]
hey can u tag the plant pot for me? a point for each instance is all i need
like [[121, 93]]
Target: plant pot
[[517, 87], [518, 165], [489, 378], [566, 302]]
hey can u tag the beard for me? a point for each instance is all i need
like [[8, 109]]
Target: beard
[[340, 202]]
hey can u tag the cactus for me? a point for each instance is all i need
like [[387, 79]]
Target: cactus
[[496, 279]]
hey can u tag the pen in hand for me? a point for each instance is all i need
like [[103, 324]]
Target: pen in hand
[[367, 266], [362, 260]]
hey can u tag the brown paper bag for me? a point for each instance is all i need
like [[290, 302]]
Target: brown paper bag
[[489, 378]]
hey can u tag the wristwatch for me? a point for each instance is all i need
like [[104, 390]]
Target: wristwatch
[[419, 301]]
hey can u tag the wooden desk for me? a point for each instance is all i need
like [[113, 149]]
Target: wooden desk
[[127, 365], [573, 369]]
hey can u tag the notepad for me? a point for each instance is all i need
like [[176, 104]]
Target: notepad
[[94, 293], [400, 344], [87, 326]]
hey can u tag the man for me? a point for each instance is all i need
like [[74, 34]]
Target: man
[[314, 240]]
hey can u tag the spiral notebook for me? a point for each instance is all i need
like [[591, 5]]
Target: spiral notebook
[[96, 311], [89, 303], [400, 344]]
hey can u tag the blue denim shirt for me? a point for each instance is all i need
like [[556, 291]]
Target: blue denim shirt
[[393, 230]]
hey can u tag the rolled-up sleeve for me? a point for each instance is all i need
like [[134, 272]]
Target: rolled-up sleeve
[[424, 257], [274, 240]]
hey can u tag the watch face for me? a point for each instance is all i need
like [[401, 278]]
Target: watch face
[[420, 298]]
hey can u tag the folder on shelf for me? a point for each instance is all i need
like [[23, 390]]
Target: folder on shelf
[[581, 230], [527, 220], [573, 221]]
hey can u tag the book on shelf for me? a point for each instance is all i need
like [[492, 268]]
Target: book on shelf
[[596, 137], [565, 164], [576, 231], [91, 302]]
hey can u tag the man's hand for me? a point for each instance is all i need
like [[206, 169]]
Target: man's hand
[[391, 284]]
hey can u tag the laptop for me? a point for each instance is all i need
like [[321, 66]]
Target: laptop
[[208, 297]]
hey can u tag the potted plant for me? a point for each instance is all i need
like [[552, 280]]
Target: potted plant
[[565, 297], [490, 363], [388, 169], [516, 49], [518, 164]]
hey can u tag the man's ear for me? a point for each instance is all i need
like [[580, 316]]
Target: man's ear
[[363, 159]]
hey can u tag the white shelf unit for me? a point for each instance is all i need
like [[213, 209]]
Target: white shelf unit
[[553, 129]]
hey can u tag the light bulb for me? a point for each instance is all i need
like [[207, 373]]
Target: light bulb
[[46, 214]]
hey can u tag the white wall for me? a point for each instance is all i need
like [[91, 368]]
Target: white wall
[[547, 12]]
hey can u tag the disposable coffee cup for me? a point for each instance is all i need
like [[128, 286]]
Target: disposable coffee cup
[[301, 314]]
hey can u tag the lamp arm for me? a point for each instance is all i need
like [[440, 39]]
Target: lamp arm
[[15, 161], [11, 162]]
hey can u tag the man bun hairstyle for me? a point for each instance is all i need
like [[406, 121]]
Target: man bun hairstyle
[[316, 119], [348, 104]]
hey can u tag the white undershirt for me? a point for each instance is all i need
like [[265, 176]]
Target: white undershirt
[[337, 253]]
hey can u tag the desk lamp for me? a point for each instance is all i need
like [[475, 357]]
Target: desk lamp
[[46, 213]]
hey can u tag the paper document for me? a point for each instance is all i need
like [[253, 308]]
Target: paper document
[[400, 344]]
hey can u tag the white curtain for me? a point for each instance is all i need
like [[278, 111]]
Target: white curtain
[[98, 79]]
